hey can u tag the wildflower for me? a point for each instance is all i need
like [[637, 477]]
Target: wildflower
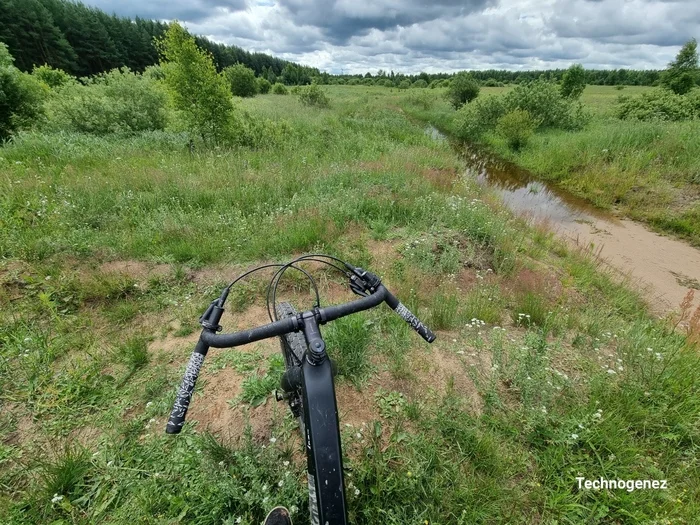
[[286, 463], [659, 357], [239, 519], [56, 498], [544, 410], [611, 371], [281, 482], [357, 492], [149, 404], [273, 439]]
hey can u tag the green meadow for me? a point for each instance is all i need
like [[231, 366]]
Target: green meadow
[[546, 368]]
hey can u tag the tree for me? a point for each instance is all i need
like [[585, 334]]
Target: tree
[[264, 86], [241, 80], [463, 89], [197, 90], [573, 82], [21, 97], [682, 73]]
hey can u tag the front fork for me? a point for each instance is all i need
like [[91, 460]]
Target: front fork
[[314, 378]]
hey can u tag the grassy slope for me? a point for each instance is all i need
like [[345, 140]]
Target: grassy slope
[[566, 376], [646, 171]]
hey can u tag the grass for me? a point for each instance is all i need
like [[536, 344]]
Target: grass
[[492, 424], [647, 171]]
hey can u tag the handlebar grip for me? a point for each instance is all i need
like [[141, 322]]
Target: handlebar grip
[[184, 394], [415, 323]]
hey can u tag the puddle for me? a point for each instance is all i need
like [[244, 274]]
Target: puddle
[[653, 261]]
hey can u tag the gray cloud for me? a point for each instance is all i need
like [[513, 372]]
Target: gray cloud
[[186, 10], [443, 35], [341, 19]]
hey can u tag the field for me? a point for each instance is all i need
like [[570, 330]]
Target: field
[[545, 369], [648, 171]]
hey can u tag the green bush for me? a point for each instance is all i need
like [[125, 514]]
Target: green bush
[[386, 82], [200, 94], [53, 78], [683, 73], [120, 101], [21, 97], [474, 119], [546, 104], [491, 82], [279, 89], [422, 99], [516, 127], [264, 86], [420, 83], [659, 104], [241, 80], [404, 84], [573, 82], [313, 95], [463, 89]]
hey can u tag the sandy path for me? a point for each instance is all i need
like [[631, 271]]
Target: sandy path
[[665, 268]]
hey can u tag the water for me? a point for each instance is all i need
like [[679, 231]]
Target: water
[[523, 194], [662, 267]]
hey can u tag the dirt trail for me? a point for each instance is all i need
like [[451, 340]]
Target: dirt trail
[[665, 268]]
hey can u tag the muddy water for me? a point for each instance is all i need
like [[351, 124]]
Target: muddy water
[[664, 268]]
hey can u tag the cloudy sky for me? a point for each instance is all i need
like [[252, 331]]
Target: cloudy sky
[[355, 36]]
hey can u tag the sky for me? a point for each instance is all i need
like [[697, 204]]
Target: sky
[[409, 36]]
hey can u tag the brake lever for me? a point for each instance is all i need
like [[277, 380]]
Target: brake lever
[[362, 282]]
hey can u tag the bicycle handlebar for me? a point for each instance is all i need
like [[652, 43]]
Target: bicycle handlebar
[[209, 338]]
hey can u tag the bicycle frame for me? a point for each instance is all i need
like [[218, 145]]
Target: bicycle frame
[[323, 448]]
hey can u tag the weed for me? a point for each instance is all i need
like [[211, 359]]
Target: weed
[[256, 388], [348, 342]]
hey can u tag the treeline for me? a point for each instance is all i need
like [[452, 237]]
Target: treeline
[[86, 41], [613, 77]]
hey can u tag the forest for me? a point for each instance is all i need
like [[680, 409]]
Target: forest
[[85, 41]]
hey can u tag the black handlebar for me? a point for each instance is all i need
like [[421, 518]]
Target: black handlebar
[[209, 338]]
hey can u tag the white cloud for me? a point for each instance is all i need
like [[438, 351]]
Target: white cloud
[[442, 35]]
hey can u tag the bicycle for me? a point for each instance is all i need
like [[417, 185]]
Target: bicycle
[[307, 383]]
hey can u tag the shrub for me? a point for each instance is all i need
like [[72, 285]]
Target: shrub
[[313, 95], [264, 86], [404, 84], [241, 80], [354, 82], [682, 74], [463, 89], [490, 82], [21, 97], [573, 82], [279, 89], [474, 119], [197, 90], [120, 101], [420, 83], [545, 103], [659, 104], [422, 99], [516, 127], [386, 83], [53, 78]]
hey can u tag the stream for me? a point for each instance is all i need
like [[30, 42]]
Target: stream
[[663, 267]]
